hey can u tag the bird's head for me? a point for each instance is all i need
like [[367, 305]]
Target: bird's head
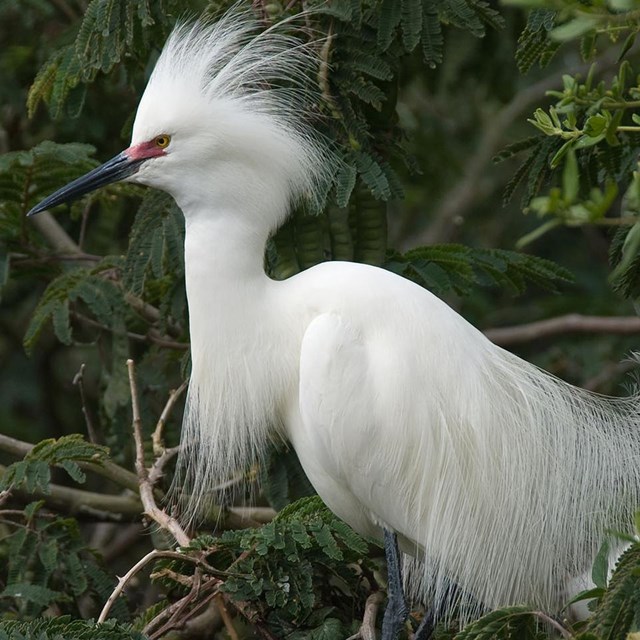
[[222, 117]]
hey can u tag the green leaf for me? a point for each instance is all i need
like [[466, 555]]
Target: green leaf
[[31, 593], [411, 20], [600, 571], [574, 28], [432, 39], [388, 20], [570, 177]]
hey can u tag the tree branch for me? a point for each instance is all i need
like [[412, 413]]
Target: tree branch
[[546, 618], [61, 242], [367, 630], [570, 323], [78, 380], [122, 582], [158, 434], [461, 196], [105, 468], [146, 486], [87, 504]]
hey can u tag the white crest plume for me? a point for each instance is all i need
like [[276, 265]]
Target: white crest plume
[[241, 70]]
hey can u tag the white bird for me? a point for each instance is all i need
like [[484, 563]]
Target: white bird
[[496, 476]]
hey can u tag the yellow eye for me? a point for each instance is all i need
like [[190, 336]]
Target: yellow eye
[[162, 141]]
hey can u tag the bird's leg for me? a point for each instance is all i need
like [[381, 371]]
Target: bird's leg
[[395, 615]]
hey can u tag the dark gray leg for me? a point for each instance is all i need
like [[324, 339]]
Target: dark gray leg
[[395, 615]]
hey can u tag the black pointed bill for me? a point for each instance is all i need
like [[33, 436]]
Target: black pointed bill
[[118, 168]]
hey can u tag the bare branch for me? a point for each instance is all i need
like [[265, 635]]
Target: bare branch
[[122, 582], [157, 470], [104, 468], [78, 380], [565, 633], [462, 195], [570, 323], [158, 435], [84, 504], [204, 625], [368, 629], [146, 487], [226, 618]]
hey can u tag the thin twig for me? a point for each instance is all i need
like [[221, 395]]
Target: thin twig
[[157, 469], [570, 323], [203, 625], [83, 225], [81, 503], [78, 380], [158, 436], [151, 337], [367, 630], [565, 633], [226, 618], [175, 611], [323, 70], [122, 582], [146, 487]]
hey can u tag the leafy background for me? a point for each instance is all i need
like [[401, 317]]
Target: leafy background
[[453, 117]]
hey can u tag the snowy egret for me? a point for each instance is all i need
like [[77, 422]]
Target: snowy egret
[[411, 425]]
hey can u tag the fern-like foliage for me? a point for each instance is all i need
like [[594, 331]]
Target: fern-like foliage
[[453, 267], [504, 624], [110, 32], [100, 295], [359, 80], [26, 177], [358, 232], [34, 471], [45, 563], [617, 612], [534, 44], [289, 570], [66, 627]]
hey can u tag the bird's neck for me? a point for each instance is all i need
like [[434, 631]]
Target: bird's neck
[[227, 289], [237, 379], [224, 255]]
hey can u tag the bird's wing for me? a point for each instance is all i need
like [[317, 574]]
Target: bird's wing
[[338, 435]]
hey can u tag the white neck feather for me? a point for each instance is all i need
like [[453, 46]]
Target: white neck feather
[[232, 411]]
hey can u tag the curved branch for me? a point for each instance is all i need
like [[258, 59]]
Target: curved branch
[[85, 504], [122, 582], [61, 242], [570, 323], [458, 200], [146, 485], [105, 468]]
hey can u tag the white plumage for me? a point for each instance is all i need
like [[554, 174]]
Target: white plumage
[[500, 477]]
